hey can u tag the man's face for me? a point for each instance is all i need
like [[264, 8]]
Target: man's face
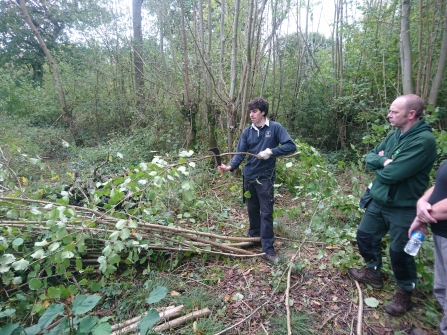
[[256, 116], [399, 117]]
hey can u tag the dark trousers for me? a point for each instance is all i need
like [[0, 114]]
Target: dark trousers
[[260, 211], [377, 221]]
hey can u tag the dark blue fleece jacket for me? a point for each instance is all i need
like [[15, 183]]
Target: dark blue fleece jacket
[[254, 140]]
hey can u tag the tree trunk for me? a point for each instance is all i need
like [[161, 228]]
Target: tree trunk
[[405, 48], [189, 109], [138, 53], [442, 62], [231, 105], [66, 114]]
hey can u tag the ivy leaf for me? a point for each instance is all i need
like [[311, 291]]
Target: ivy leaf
[[148, 321], [83, 303], [157, 294], [102, 329], [372, 302], [20, 265]]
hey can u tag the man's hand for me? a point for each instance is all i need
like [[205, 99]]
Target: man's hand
[[224, 168], [388, 161], [423, 212], [418, 225], [265, 154]]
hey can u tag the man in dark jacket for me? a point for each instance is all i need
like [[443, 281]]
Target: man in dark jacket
[[432, 209], [401, 164], [262, 138]]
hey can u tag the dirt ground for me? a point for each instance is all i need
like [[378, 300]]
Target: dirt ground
[[328, 295]]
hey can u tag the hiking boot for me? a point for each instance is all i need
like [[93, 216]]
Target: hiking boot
[[419, 331], [252, 245], [271, 258], [400, 303], [366, 275]]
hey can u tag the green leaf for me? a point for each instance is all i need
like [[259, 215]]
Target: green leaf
[[114, 259], [53, 246], [7, 312], [247, 194], [9, 328], [148, 321], [20, 265], [60, 328], [87, 323], [186, 185], [157, 294], [82, 303], [67, 254], [41, 243], [54, 292], [35, 284], [50, 314], [102, 329], [7, 259], [372, 302], [17, 242], [38, 254], [125, 233], [33, 330], [120, 224]]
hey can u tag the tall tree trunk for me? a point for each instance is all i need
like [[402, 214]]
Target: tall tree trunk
[[231, 105], [442, 62], [66, 113], [138, 53], [405, 47], [189, 109], [212, 111]]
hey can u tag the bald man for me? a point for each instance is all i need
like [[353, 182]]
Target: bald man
[[401, 164]]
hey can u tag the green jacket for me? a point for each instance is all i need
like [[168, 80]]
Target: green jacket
[[403, 181]]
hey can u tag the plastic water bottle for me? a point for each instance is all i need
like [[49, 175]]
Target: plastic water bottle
[[414, 243]]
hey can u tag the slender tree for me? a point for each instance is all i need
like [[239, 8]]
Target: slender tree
[[405, 48]]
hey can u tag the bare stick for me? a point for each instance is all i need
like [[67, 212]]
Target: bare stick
[[289, 273], [128, 326], [360, 312], [177, 322]]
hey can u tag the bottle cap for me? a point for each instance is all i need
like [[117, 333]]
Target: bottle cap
[[418, 235]]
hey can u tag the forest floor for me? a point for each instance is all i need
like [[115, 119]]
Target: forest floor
[[324, 295]]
